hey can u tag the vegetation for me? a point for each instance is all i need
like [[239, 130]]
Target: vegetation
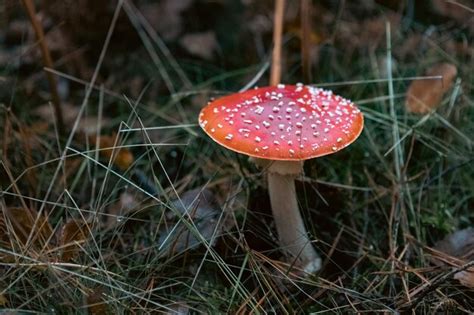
[[131, 208]]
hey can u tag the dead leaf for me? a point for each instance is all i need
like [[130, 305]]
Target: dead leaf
[[260, 24], [466, 277], [314, 37], [179, 308], [122, 157], [200, 205], [459, 10], [373, 29], [165, 17], [3, 300], [88, 124], [202, 45], [124, 206], [411, 45], [73, 234], [22, 223], [46, 112], [459, 245], [426, 95], [96, 305], [4, 239], [71, 165]]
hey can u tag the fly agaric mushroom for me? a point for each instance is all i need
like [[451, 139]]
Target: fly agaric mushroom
[[281, 126]]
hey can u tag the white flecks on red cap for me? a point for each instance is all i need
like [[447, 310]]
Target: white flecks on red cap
[[283, 122]]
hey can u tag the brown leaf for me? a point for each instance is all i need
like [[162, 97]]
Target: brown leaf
[[179, 308], [126, 204], [87, 125], [373, 29], [3, 300], [165, 16], [73, 234], [202, 45], [426, 95], [459, 10], [466, 277], [20, 223], [122, 157], [46, 112], [459, 245], [200, 205], [95, 302]]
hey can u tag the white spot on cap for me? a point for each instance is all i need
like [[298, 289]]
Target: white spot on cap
[[259, 109]]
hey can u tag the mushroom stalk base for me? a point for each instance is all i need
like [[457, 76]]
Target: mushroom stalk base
[[290, 227]]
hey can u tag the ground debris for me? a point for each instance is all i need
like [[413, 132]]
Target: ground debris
[[21, 225], [458, 245], [73, 235], [202, 45], [426, 94], [198, 207]]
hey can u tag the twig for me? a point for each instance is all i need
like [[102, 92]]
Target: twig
[[275, 74], [306, 39], [38, 29]]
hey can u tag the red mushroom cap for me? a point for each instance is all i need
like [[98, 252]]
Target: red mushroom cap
[[284, 122]]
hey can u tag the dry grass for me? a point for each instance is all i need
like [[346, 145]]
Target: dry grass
[[87, 228]]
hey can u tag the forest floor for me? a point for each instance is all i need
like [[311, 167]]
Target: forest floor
[[122, 204]]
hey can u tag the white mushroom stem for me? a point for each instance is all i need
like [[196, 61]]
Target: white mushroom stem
[[292, 233]]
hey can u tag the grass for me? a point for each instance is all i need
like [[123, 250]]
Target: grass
[[373, 209]]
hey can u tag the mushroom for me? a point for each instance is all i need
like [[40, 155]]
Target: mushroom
[[281, 126]]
